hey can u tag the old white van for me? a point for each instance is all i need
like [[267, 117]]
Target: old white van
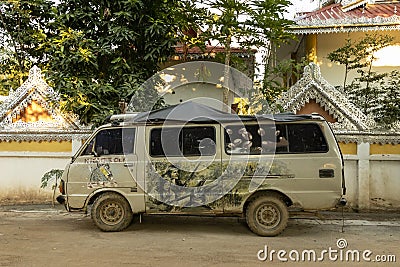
[[193, 159]]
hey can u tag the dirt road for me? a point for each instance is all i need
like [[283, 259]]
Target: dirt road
[[51, 237]]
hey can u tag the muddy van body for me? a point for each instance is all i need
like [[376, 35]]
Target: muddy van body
[[205, 163]]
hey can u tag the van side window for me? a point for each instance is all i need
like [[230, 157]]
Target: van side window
[[306, 138], [256, 139], [279, 139], [110, 142], [186, 141]]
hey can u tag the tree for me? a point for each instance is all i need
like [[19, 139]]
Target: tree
[[189, 19], [270, 26], [389, 110], [104, 50], [94, 53], [98, 52], [23, 27], [348, 55], [371, 91], [366, 89], [226, 24], [251, 24]]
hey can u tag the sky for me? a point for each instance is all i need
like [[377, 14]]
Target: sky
[[302, 6]]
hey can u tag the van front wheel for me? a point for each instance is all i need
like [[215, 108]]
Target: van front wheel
[[111, 212], [267, 215]]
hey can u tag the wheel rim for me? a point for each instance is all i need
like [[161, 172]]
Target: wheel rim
[[268, 215], [112, 213]]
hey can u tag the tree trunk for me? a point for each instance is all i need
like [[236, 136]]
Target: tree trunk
[[225, 93]]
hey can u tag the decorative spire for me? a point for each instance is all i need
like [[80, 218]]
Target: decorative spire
[[313, 86], [35, 91]]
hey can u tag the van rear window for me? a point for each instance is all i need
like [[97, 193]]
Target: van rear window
[[185, 141], [306, 138], [270, 139]]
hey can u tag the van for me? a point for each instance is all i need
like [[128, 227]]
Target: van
[[193, 159]]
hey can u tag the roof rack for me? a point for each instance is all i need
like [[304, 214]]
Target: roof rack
[[123, 117]]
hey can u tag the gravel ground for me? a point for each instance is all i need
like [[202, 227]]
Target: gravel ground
[[42, 235]]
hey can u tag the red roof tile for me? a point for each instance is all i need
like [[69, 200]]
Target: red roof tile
[[369, 11], [368, 17], [210, 49]]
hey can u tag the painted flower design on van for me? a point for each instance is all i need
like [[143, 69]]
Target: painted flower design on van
[[101, 176], [208, 184]]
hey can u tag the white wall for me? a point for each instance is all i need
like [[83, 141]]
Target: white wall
[[25, 169], [372, 181], [351, 178], [385, 181], [202, 91]]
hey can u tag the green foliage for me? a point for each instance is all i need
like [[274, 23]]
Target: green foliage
[[224, 24], [367, 98], [252, 24], [189, 21], [349, 56], [97, 52], [51, 176], [23, 26], [388, 110], [268, 22], [271, 28], [274, 82], [375, 93], [105, 50], [93, 52], [358, 55]]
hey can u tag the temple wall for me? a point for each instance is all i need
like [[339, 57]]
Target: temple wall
[[36, 136], [23, 164], [372, 171], [372, 175], [25, 169]]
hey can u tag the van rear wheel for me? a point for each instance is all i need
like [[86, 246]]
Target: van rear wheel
[[111, 212], [267, 215]]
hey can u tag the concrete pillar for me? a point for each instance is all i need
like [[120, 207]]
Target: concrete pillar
[[363, 175], [311, 48], [76, 144]]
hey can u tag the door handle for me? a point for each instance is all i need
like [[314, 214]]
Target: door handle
[[128, 164], [326, 173]]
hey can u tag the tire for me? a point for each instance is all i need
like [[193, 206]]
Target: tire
[[267, 215], [111, 212]]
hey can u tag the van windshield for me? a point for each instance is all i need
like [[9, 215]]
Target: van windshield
[[110, 142]]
